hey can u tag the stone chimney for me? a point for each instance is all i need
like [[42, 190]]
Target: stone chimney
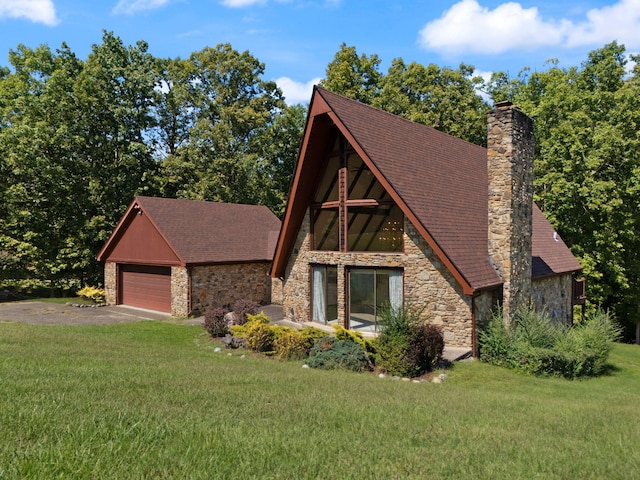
[[510, 152]]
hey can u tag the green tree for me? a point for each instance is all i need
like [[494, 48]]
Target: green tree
[[115, 92], [39, 139], [73, 144], [283, 138], [353, 76], [443, 98], [230, 107], [588, 167]]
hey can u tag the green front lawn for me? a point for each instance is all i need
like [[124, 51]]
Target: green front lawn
[[153, 400]]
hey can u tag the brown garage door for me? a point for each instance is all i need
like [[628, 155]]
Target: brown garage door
[[146, 287]]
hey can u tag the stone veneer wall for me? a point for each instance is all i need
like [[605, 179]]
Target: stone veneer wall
[[484, 305], [221, 285], [427, 282], [110, 283], [180, 292], [276, 291], [553, 295], [510, 152]]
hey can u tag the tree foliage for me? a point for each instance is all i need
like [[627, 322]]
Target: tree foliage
[[443, 98], [588, 166], [79, 139]]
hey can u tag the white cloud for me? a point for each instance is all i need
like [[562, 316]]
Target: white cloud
[[241, 3], [619, 21], [471, 28], [38, 11], [129, 7], [296, 92]]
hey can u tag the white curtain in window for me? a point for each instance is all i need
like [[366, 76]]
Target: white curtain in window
[[319, 308], [395, 289]]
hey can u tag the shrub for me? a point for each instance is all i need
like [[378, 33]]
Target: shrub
[[533, 345], [407, 346], [535, 328], [328, 353], [243, 308], [496, 344], [92, 293], [293, 344], [257, 332], [215, 323]]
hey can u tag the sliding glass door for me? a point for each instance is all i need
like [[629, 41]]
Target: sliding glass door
[[369, 291]]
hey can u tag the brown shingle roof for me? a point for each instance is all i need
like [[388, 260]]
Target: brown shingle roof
[[209, 232], [442, 180], [439, 181], [550, 254]]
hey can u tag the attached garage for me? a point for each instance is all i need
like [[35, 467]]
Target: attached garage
[[185, 256]]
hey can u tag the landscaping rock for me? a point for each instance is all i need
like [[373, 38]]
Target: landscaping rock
[[230, 341], [230, 318]]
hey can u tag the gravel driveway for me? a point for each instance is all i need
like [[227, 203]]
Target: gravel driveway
[[44, 313]]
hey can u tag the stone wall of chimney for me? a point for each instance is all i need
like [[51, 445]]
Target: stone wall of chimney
[[510, 152]]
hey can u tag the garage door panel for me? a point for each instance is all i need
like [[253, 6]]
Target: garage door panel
[[148, 287]]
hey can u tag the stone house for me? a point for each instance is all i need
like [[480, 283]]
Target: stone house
[[386, 211], [184, 256]]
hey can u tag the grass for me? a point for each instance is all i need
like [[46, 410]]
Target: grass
[[153, 400], [63, 300]]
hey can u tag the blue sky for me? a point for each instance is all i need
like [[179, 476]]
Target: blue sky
[[296, 39]]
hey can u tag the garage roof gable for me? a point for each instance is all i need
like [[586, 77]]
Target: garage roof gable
[[168, 231]]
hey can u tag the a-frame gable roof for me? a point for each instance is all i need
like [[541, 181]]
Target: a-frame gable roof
[[439, 181], [201, 232]]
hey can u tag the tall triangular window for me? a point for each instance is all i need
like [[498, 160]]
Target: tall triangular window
[[352, 211]]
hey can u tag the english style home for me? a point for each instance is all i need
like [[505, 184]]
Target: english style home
[[386, 211]]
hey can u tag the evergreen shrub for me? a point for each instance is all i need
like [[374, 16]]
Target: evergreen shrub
[[329, 353], [92, 293], [257, 332], [293, 344]]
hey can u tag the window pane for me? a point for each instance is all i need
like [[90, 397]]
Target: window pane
[[324, 293], [328, 187], [362, 183], [370, 290], [325, 229], [382, 289], [375, 229], [362, 308], [332, 294]]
